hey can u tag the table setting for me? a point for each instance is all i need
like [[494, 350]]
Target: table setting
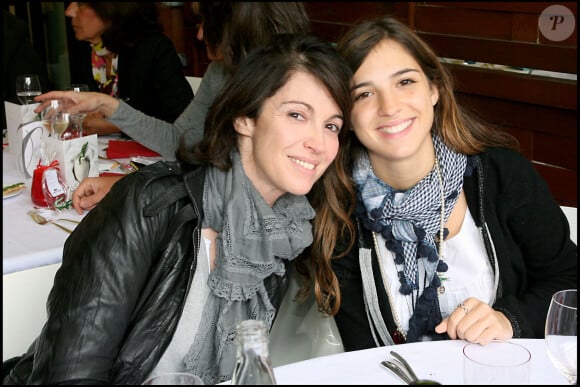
[[34, 232], [438, 361]]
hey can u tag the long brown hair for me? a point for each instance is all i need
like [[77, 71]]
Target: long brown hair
[[462, 132], [260, 75]]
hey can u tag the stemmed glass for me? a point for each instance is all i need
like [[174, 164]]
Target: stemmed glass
[[76, 120], [27, 87], [562, 333], [55, 119]]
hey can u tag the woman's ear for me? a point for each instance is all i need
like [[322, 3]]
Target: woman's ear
[[244, 126], [434, 94]]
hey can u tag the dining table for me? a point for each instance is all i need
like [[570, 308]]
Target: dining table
[[26, 244], [441, 361]]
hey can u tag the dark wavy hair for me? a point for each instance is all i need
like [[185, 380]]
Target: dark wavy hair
[[259, 76], [126, 22], [236, 28]]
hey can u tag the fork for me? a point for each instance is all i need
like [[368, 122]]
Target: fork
[[42, 220], [400, 367]]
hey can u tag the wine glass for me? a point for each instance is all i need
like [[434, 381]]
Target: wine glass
[[60, 123], [77, 119], [48, 114], [27, 87], [561, 333]]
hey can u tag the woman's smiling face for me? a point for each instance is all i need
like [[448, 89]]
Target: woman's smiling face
[[393, 105], [293, 140]]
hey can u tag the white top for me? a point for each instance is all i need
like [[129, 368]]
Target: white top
[[172, 359], [469, 274]]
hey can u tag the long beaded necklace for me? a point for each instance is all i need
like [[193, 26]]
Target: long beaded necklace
[[399, 335], [441, 288]]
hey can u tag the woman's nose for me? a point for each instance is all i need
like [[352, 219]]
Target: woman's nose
[[315, 141], [70, 11], [389, 105]]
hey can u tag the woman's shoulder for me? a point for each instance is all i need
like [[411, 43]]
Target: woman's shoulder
[[508, 165], [505, 158], [216, 73]]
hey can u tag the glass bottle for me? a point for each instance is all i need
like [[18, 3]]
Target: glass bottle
[[253, 365]]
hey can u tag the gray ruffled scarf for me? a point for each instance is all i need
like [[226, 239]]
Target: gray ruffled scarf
[[254, 240]]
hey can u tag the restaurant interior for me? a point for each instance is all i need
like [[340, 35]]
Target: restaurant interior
[[506, 70]]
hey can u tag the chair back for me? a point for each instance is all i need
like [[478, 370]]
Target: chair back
[[24, 295], [571, 215]]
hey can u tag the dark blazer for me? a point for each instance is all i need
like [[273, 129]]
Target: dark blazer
[[531, 240], [151, 77]]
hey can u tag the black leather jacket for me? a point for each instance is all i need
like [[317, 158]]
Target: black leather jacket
[[119, 294]]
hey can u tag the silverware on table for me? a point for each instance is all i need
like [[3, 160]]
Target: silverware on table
[[401, 368], [42, 220]]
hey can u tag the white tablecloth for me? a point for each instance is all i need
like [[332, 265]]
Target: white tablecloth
[[26, 244], [438, 360]]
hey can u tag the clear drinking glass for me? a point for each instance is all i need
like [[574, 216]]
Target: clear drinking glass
[[28, 87], [562, 333], [499, 362], [76, 120], [48, 114], [60, 123]]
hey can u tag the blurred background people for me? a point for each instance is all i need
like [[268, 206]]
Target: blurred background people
[[128, 58], [230, 30]]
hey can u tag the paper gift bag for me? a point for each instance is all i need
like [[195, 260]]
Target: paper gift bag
[[77, 158], [26, 143], [16, 115]]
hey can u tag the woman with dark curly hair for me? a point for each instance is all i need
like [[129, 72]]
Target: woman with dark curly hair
[[131, 60]]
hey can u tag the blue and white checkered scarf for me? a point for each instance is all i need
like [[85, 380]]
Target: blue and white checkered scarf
[[410, 220]]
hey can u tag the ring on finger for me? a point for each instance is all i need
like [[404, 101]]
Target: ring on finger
[[464, 308]]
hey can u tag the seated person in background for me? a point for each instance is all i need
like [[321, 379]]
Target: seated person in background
[[160, 285], [131, 59], [18, 57], [457, 236], [230, 30]]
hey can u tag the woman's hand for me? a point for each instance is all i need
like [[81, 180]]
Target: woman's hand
[[83, 102], [476, 322], [91, 191]]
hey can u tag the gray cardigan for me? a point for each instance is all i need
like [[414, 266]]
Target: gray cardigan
[[163, 137]]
